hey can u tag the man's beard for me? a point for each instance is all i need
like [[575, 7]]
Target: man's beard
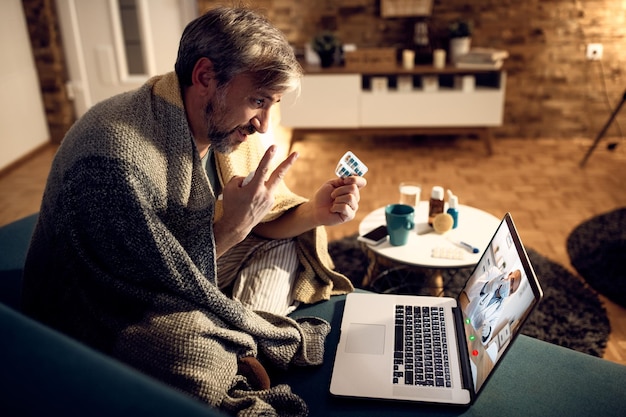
[[215, 113]]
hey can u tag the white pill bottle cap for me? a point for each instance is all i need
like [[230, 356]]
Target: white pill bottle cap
[[437, 193]]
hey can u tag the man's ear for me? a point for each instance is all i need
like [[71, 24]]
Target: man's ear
[[203, 75]]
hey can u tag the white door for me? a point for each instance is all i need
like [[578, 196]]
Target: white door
[[112, 46]]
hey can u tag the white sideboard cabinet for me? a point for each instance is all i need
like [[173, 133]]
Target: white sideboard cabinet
[[325, 101], [397, 101]]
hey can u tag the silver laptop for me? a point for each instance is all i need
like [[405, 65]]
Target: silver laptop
[[437, 349]]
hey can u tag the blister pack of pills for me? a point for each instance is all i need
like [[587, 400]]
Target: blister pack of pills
[[349, 164], [447, 253]]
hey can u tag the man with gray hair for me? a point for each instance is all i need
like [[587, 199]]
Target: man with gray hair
[[146, 212]]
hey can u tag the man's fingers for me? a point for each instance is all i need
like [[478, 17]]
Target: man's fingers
[[258, 176], [281, 170], [264, 165]]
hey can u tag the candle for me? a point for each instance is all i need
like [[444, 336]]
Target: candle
[[439, 58], [408, 59]]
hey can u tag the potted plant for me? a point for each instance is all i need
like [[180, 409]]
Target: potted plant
[[460, 38], [326, 45]]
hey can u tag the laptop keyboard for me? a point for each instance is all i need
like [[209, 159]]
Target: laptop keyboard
[[421, 347]]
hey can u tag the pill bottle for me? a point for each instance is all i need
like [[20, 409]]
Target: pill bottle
[[453, 208], [435, 205]]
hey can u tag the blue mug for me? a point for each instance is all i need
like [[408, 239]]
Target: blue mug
[[400, 221]]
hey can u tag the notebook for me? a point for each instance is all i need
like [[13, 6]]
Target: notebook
[[380, 349]]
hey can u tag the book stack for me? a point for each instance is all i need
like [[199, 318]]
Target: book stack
[[482, 58]]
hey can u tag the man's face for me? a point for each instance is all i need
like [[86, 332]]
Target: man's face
[[516, 278], [237, 110]]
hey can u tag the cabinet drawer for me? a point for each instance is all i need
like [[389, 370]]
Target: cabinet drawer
[[442, 108], [329, 101]]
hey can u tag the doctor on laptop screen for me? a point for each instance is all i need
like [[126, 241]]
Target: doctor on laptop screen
[[490, 317]]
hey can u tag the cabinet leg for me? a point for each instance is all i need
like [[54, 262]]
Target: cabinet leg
[[488, 139]]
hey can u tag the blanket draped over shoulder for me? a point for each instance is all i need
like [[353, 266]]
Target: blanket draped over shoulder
[[123, 256]]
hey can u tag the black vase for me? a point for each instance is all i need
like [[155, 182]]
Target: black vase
[[327, 58]]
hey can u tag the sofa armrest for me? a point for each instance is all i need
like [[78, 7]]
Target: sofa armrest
[[14, 241], [44, 373]]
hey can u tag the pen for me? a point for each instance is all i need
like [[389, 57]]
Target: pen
[[469, 247]]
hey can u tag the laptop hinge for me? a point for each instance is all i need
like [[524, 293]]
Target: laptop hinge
[[463, 356]]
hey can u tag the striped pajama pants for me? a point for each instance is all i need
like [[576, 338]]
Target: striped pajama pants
[[260, 273]]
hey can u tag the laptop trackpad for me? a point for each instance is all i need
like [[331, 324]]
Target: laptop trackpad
[[366, 338]]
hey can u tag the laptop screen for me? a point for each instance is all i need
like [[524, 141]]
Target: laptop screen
[[496, 300]]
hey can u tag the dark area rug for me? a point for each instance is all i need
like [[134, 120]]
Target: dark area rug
[[597, 249], [570, 314]]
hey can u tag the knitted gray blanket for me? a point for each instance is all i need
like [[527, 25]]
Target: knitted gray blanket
[[123, 258]]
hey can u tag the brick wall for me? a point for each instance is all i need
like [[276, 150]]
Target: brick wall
[[42, 23], [552, 90]]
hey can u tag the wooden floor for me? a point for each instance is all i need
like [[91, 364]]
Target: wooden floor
[[538, 180]]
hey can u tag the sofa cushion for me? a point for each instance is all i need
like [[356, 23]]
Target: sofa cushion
[[521, 386]]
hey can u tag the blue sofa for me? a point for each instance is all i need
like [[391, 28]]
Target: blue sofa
[[44, 373]]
